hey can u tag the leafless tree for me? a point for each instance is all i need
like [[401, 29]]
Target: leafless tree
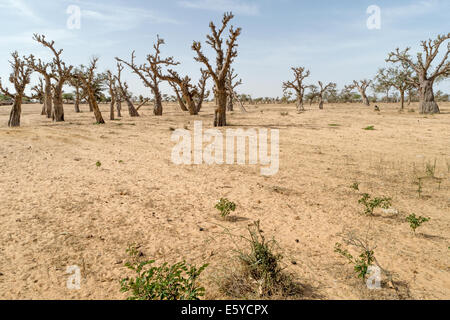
[[422, 68], [39, 93], [60, 73], [362, 88], [111, 81], [123, 92], [45, 70], [77, 83], [232, 84], [298, 86], [149, 73], [87, 77], [223, 62], [324, 89], [20, 78]]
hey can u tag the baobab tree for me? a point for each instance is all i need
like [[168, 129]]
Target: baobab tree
[[20, 78], [324, 89], [77, 83], [422, 67], [123, 91], [298, 86], [60, 73], [312, 94], [149, 73], [45, 70], [39, 93], [232, 84], [88, 77], [362, 86], [111, 82], [223, 63], [401, 78]]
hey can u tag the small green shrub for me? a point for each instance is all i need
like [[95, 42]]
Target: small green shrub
[[225, 207], [371, 204], [355, 186], [361, 264], [416, 222], [370, 128], [431, 169], [98, 164], [166, 282]]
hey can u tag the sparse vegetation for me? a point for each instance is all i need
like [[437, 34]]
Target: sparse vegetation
[[225, 207], [166, 282], [416, 222], [369, 128], [260, 274], [361, 263], [355, 186], [371, 204]]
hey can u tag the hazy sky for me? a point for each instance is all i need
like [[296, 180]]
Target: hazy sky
[[329, 37]]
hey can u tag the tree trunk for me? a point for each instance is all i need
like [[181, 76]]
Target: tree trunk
[[44, 109], [320, 103], [427, 103], [77, 101], [220, 116], [58, 107], [119, 107], [230, 106], [158, 108], [48, 97], [131, 109], [300, 107], [16, 110], [111, 108], [91, 107], [402, 99], [366, 100]]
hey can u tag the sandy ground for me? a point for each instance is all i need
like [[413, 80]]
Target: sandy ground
[[57, 208]]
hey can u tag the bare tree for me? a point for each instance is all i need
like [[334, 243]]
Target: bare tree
[[200, 91], [324, 89], [298, 86], [87, 77], [60, 73], [361, 86], [223, 62], [422, 68], [123, 92], [77, 83], [232, 84], [20, 78], [149, 73], [45, 70], [111, 81], [39, 93], [176, 89]]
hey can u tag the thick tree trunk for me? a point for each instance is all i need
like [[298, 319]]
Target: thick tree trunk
[[366, 100], [77, 101], [230, 106], [48, 97], [300, 107], [158, 108], [58, 107], [119, 108], [16, 110], [220, 116], [320, 103], [44, 109], [427, 103], [91, 107], [181, 102], [131, 109], [111, 108], [97, 113]]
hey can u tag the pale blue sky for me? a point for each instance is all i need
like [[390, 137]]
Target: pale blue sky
[[326, 36]]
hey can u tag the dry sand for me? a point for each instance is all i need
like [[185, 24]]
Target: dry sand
[[57, 208]]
